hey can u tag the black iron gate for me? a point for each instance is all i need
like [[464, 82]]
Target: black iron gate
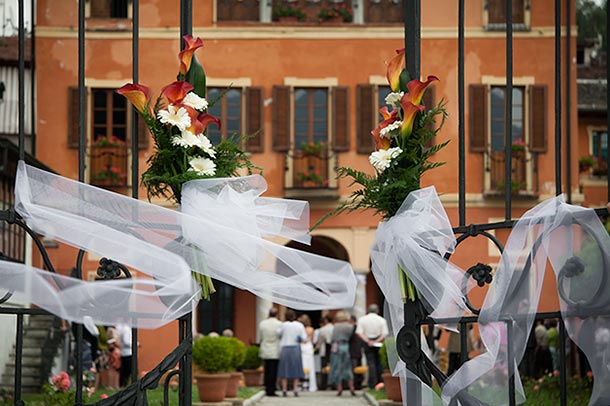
[[415, 314]]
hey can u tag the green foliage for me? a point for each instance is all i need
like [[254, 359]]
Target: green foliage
[[288, 10], [213, 354], [384, 192], [383, 356], [591, 21], [54, 397], [252, 359], [238, 352], [340, 10], [586, 162], [196, 77]]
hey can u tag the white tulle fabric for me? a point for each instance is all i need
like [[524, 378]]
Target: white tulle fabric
[[219, 231], [552, 232]]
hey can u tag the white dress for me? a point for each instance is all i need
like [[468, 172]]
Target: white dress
[[309, 365]]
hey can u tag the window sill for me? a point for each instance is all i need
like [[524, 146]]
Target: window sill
[[109, 24], [321, 193], [518, 195], [502, 27]]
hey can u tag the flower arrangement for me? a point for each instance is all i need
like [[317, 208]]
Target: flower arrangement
[[401, 155], [288, 10], [110, 175], [177, 120], [518, 146], [112, 141], [313, 148], [334, 11], [312, 176]]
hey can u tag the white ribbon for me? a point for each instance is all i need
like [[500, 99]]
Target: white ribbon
[[219, 233], [417, 239]]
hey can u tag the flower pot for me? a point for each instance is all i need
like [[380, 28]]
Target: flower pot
[[392, 386], [253, 377], [212, 387], [288, 20], [233, 385]]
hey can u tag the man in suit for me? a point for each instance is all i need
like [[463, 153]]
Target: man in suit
[[270, 349]]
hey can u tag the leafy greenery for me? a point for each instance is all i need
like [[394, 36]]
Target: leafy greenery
[[238, 352], [341, 10], [213, 354], [252, 359], [288, 10], [383, 356], [591, 20]]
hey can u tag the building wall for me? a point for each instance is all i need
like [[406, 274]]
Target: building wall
[[267, 54]]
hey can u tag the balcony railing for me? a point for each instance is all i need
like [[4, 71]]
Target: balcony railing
[[310, 170], [521, 183], [109, 166]]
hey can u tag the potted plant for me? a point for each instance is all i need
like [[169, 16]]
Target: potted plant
[[311, 178], [238, 353], [213, 357], [317, 149], [585, 163], [251, 368], [288, 13], [336, 13], [391, 383]]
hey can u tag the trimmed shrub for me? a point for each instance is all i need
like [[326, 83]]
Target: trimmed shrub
[[213, 354], [252, 360], [238, 352]]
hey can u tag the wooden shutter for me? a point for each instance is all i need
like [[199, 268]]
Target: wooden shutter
[[496, 11], [73, 103], [340, 100], [254, 119], [143, 134], [100, 9], [281, 118], [538, 118], [429, 102], [478, 118], [365, 118]]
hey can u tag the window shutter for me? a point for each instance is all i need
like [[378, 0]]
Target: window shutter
[[478, 118], [73, 117], [143, 134], [538, 118], [340, 97], [100, 8], [429, 102], [365, 119], [281, 118], [254, 119]]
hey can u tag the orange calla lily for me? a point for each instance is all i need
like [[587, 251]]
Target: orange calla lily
[[395, 68], [417, 88], [176, 91], [389, 118], [409, 111], [186, 55], [138, 95], [206, 119]]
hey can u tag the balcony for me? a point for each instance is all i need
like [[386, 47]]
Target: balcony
[[523, 179], [108, 166], [309, 174]]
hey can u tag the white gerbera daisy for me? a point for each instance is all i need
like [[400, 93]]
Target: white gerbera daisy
[[179, 118], [393, 99], [203, 166], [187, 139], [206, 145], [381, 159], [193, 100], [390, 130]]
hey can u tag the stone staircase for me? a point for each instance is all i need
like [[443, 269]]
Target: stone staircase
[[35, 334]]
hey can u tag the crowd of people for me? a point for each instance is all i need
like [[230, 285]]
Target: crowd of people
[[296, 353]]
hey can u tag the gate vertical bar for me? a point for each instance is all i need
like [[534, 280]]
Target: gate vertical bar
[[185, 324], [18, 359], [81, 177], [135, 16], [557, 97], [607, 100], [461, 132], [511, 362], [568, 132], [508, 112], [21, 75]]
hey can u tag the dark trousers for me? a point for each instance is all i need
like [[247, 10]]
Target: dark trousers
[[270, 376], [374, 364], [125, 371]]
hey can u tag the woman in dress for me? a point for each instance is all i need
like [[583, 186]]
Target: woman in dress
[[290, 365], [307, 354], [340, 360]]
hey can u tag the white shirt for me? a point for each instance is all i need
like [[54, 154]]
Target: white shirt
[[124, 339], [325, 334], [270, 338], [372, 326], [290, 332]]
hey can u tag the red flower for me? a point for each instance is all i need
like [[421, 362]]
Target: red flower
[[138, 95], [186, 55], [176, 91]]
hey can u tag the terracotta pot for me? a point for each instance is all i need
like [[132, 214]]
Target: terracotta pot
[[233, 385], [253, 377], [212, 387], [392, 387]]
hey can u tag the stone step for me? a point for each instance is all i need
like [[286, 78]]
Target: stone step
[[26, 370], [40, 321], [24, 388], [32, 381]]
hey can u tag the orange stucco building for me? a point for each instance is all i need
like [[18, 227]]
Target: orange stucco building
[[311, 82]]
